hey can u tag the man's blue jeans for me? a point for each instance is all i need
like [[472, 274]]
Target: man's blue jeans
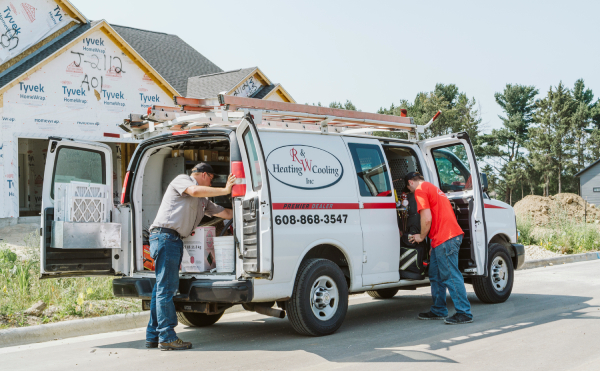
[[444, 274], [167, 250]]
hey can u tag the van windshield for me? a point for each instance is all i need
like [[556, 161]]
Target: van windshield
[[452, 165]]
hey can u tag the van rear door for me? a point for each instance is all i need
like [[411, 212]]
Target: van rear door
[[254, 210], [451, 161], [80, 235]]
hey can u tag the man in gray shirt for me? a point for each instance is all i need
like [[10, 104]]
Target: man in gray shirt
[[182, 208]]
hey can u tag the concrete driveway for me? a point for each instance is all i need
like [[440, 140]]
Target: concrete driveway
[[551, 322]]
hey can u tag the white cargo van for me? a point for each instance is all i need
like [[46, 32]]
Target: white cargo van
[[315, 212]]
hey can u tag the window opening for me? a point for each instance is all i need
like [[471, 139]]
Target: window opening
[[78, 165], [453, 170], [371, 171]]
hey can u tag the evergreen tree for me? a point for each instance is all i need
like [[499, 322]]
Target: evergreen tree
[[347, 106], [506, 145], [458, 113], [581, 121], [553, 141]]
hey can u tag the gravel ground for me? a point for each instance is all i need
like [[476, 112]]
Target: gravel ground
[[17, 237], [533, 252]]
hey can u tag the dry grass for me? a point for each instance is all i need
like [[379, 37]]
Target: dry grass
[[559, 231]]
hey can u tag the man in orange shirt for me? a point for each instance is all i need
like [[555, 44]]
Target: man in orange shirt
[[439, 222]]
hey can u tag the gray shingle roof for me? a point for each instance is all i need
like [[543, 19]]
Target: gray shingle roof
[[264, 91], [32, 60], [170, 56], [209, 86]]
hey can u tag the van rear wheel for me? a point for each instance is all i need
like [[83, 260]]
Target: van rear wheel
[[497, 286], [319, 302], [198, 319], [383, 293]]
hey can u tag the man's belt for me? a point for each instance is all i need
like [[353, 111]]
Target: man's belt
[[165, 230]]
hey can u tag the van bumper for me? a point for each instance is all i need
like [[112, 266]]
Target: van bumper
[[204, 291], [519, 258]]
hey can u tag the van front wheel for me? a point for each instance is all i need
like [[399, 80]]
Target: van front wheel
[[319, 302], [198, 319], [497, 286]]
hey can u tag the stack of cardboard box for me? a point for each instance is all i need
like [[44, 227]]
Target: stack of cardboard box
[[201, 155]]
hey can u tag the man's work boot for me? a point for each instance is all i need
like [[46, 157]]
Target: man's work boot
[[176, 345], [151, 344]]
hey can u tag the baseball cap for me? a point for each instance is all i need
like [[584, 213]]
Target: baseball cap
[[410, 176], [203, 167]]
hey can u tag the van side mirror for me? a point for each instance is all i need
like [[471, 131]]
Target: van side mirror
[[484, 182]]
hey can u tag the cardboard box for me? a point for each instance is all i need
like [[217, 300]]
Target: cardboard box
[[190, 154], [177, 153], [204, 155], [214, 155], [199, 251]]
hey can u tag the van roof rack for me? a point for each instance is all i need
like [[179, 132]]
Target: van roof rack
[[228, 111]]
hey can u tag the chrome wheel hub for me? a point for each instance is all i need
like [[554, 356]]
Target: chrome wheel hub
[[499, 273], [324, 298]]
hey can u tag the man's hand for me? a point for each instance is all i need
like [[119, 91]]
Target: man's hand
[[230, 182], [416, 238]]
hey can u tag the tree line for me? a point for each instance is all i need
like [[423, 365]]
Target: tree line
[[543, 142]]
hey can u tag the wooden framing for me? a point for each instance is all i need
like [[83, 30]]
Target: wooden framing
[[279, 90], [71, 10]]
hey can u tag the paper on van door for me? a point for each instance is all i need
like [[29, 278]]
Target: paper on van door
[[199, 251]]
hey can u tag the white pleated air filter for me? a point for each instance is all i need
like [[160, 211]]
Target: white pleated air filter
[[81, 202]]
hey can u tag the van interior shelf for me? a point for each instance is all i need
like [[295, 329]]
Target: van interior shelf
[[211, 163]]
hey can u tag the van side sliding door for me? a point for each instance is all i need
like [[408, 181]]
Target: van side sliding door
[[256, 209], [377, 207], [451, 161], [79, 237]]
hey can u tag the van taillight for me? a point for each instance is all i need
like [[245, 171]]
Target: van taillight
[[124, 187], [237, 169]]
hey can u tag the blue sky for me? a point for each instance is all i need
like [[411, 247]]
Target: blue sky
[[376, 53]]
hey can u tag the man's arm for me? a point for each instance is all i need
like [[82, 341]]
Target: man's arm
[[425, 225], [225, 214], [203, 191]]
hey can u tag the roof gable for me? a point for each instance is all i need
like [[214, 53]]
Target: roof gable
[[170, 56], [36, 61], [26, 26]]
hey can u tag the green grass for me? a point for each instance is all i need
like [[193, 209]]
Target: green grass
[[20, 287], [561, 234]]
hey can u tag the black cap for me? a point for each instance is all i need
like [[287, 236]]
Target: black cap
[[410, 176], [203, 167]]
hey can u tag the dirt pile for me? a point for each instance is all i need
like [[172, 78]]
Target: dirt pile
[[562, 205]]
